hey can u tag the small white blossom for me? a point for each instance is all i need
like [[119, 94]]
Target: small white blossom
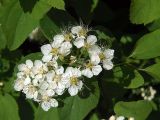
[[92, 68], [47, 104], [71, 80], [148, 94]]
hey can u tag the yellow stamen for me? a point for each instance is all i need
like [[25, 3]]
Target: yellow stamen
[[74, 80], [83, 32], [101, 56], [68, 37], [89, 65], [54, 51]]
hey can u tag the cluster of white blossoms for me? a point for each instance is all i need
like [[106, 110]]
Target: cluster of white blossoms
[[148, 94], [113, 117], [71, 56]]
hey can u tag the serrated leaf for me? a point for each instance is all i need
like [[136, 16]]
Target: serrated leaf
[[147, 46], [76, 108], [52, 114], [140, 110], [144, 11], [153, 70], [17, 24], [49, 28], [9, 108]]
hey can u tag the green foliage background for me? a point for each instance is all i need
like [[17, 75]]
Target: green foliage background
[[131, 28]]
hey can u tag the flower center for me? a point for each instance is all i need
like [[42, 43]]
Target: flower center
[[101, 56], [54, 51], [57, 78], [45, 98], [68, 37], [83, 32], [74, 80], [89, 65], [87, 45]]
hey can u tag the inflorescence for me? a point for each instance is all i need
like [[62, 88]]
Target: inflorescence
[[71, 56]]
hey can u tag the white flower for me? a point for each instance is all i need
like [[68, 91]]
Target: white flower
[[26, 68], [30, 91], [39, 69], [92, 68], [54, 80], [19, 84], [56, 48], [48, 103], [105, 56], [65, 48], [112, 117], [120, 118], [71, 80], [80, 42], [148, 94]]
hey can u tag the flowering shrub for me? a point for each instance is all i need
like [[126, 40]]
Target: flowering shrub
[[79, 60]]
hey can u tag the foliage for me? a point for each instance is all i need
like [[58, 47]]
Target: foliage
[[131, 28]]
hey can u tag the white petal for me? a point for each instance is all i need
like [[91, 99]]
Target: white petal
[[58, 39], [120, 118], [44, 85], [60, 70], [45, 106], [65, 48], [108, 65], [27, 81], [47, 58], [94, 49], [76, 29], [95, 59], [73, 90], [22, 67], [18, 85], [91, 39], [109, 53], [87, 72], [46, 49], [35, 82], [96, 69], [79, 42], [38, 63], [29, 63], [50, 75], [79, 84], [112, 117], [59, 91], [53, 102], [50, 92]]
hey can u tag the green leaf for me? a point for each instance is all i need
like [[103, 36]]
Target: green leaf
[[76, 108], [154, 25], [137, 81], [17, 24], [139, 109], [2, 39], [144, 11], [52, 114], [153, 70], [128, 77], [94, 117], [59, 4], [9, 108], [147, 46], [49, 28]]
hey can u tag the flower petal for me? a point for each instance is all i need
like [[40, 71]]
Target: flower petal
[[91, 39], [46, 49], [107, 64], [96, 69], [73, 90], [87, 72], [79, 42]]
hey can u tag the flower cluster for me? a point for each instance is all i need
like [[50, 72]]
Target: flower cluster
[[148, 94], [71, 56], [120, 118]]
